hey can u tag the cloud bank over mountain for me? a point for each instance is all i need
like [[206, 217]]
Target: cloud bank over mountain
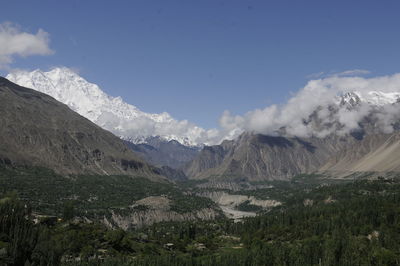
[[328, 99], [334, 104], [15, 42]]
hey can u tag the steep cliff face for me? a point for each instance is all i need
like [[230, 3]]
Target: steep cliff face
[[37, 130], [259, 157]]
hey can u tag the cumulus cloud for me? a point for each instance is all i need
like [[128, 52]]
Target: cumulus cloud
[[14, 42], [316, 110]]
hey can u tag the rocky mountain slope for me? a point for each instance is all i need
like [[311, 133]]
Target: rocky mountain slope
[[259, 157], [256, 157], [375, 153], [40, 131]]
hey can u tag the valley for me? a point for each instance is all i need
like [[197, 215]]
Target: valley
[[280, 198], [199, 133], [314, 224]]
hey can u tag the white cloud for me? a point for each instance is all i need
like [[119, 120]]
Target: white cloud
[[14, 42], [353, 72], [347, 73], [315, 75], [318, 97]]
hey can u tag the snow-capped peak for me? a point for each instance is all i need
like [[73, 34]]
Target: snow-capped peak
[[350, 99], [382, 98], [111, 113], [375, 98]]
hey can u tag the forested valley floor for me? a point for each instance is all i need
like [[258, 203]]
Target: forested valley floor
[[352, 223]]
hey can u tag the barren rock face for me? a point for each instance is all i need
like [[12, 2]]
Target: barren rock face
[[258, 157], [375, 153]]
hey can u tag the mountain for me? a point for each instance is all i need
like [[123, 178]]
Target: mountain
[[38, 130], [161, 152], [375, 153], [257, 157], [374, 98], [107, 181], [296, 144], [110, 113]]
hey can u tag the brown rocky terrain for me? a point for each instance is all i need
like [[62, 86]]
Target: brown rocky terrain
[[256, 157], [375, 153]]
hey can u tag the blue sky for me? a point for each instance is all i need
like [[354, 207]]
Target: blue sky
[[195, 59]]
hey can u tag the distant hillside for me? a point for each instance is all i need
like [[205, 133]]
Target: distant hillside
[[375, 153], [261, 158], [161, 152], [258, 157]]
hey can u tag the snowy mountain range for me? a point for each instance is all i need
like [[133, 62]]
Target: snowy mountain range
[[111, 113], [314, 100]]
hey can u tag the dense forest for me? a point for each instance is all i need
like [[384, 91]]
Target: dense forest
[[91, 195], [357, 223]]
